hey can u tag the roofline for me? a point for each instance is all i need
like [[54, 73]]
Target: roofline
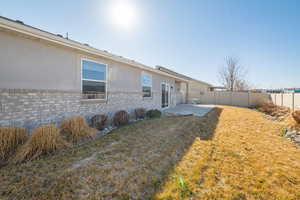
[[20, 27], [178, 74]]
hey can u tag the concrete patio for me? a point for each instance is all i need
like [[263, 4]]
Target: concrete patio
[[188, 109]]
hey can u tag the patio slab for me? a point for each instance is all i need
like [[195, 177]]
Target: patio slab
[[188, 109]]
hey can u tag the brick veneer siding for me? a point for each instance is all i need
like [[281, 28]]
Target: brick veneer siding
[[32, 108]]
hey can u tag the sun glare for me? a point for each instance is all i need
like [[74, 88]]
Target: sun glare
[[123, 14]]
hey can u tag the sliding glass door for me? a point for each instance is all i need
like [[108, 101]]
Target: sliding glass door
[[165, 93]]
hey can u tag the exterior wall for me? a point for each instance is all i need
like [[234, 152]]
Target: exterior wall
[[181, 92], [33, 108], [28, 64], [41, 83], [195, 89], [190, 91]]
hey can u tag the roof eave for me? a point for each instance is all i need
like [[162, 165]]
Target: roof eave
[[37, 33]]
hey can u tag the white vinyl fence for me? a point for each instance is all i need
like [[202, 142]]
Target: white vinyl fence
[[243, 99], [291, 100]]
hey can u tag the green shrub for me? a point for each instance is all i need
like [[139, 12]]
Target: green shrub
[[140, 113], [154, 113], [99, 121], [121, 118]]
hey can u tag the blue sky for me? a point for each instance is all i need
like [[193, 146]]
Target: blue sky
[[191, 37]]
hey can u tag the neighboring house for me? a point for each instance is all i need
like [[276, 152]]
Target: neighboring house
[[191, 92], [46, 78]]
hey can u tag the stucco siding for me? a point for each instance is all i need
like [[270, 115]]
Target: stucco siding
[[31, 64], [195, 89], [41, 83]]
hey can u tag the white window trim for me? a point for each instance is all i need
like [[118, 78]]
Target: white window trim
[[83, 79], [142, 74]]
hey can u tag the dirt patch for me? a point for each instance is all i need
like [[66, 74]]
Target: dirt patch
[[83, 162]]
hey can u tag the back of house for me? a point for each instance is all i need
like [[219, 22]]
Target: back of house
[[193, 90], [45, 78]]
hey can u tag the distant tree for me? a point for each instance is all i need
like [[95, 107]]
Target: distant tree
[[232, 75], [242, 85]]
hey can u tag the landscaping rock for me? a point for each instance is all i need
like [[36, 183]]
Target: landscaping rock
[[108, 130], [290, 133], [297, 139]]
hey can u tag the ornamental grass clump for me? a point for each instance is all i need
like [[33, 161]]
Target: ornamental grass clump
[[271, 109], [43, 141], [76, 129], [10, 139], [296, 116], [293, 120]]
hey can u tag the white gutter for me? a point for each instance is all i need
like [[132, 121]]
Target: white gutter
[[37, 33]]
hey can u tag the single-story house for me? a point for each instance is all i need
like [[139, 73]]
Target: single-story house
[[191, 92], [45, 78]]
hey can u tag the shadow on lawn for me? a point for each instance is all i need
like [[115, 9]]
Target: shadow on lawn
[[208, 124], [202, 128]]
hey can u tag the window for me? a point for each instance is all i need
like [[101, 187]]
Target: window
[[93, 80], [146, 85]]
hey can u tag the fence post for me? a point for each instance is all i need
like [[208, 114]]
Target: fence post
[[248, 99], [281, 99], [215, 98], [275, 99], [293, 101]]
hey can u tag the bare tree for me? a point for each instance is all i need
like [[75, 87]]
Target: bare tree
[[241, 85], [232, 75]]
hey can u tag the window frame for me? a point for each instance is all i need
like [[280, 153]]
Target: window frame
[[93, 80], [143, 85]]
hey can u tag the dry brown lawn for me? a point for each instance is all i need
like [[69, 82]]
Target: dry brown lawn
[[232, 153]]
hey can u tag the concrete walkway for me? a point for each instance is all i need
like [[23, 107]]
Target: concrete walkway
[[188, 109]]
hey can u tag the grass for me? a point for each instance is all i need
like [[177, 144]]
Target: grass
[[233, 153], [247, 159]]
